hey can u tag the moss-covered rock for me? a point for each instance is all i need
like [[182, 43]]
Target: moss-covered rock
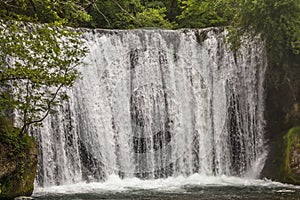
[[291, 165], [284, 160], [18, 163]]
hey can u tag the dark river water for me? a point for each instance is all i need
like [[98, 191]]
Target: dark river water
[[196, 187]]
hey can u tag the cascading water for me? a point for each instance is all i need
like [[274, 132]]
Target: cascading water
[[158, 103]]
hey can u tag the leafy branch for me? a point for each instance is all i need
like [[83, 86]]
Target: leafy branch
[[36, 62]]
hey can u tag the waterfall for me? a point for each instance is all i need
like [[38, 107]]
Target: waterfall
[[158, 103]]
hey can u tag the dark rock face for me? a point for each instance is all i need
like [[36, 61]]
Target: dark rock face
[[282, 114], [18, 163]]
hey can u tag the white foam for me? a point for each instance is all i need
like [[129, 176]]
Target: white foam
[[114, 183], [285, 191]]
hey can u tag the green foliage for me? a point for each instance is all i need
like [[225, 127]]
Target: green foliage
[[291, 140], [67, 12], [173, 10], [36, 62], [153, 17], [11, 137], [206, 13], [128, 14], [276, 21], [115, 14]]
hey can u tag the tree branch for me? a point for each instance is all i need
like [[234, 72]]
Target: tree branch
[[26, 108], [35, 9], [33, 6], [10, 5], [26, 125], [95, 6], [2, 80], [126, 12]]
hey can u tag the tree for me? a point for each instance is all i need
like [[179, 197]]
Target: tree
[[115, 14], [173, 10], [128, 14], [206, 13], [36, 61], [153, 17], [277, 22], [67, 12]]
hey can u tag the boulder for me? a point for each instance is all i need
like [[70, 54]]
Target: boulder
[[18, 164]]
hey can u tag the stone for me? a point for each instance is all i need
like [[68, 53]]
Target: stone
[[18, 164]]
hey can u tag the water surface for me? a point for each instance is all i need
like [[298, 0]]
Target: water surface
[[193, 187]]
